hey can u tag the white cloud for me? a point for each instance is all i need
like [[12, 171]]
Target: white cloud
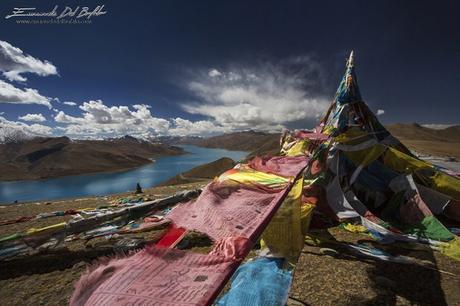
[[70, 103], [14, 62], [100, 120], [33, 118], [214, 73], [14, 95], [380, 112], [61, 117], [265, 96]]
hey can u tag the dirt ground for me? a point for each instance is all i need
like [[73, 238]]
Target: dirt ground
[[320, 278], [344, 279], [48, 279]]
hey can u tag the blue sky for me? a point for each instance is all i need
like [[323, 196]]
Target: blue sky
[[199, 67]]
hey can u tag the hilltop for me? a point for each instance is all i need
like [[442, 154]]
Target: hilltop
[[202, 173], [60, 156]]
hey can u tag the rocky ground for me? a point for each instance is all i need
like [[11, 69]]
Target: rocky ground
[[321, 277], [48, 279]]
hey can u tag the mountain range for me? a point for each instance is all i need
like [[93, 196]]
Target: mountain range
[[40, 157]]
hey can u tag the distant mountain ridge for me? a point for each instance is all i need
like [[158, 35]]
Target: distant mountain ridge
[[257, 143], [42, 157]]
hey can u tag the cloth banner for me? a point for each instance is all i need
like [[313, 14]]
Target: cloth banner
[[279, 165], [258, 282], [233, 211], [283, 236], [155, 276]]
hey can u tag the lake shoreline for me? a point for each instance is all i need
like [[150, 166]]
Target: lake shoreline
[[78, 174], [110, 182]]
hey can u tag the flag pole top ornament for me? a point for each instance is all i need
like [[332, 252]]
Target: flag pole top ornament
[[351, 60], [348, 90]]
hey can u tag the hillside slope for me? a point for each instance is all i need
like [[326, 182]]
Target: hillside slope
[[202, 172], [53, 157], [445, 142], [239, 141]]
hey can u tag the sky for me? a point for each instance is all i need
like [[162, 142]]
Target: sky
[[149, 68]]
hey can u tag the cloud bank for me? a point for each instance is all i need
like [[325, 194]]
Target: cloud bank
[[436, 126], [8, 128], [99, 120], [263, 97]]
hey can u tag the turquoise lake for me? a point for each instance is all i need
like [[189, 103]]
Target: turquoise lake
[[108, 183]]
